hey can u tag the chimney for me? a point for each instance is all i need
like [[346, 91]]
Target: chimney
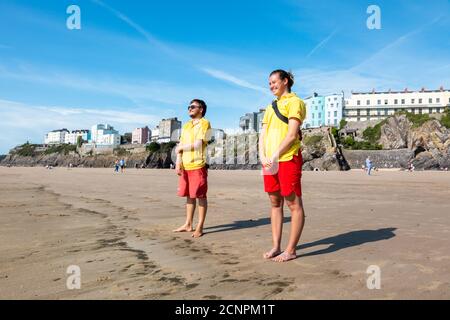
[[441, 88], [423, 89]]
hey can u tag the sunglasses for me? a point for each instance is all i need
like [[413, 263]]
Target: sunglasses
[[192, 107]]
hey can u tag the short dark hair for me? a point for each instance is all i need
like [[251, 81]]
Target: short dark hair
[[285, 75], [202, 105]]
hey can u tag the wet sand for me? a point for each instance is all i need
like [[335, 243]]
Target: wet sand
[[117, 229]]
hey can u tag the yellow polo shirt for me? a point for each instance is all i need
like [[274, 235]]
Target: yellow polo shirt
[[195, 159], [291, 106]]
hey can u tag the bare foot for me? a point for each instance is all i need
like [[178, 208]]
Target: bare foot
[[197, 234], [184, 228], [284, 257], [272, 253]]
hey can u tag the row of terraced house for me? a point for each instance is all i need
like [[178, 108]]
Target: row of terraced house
[[330, 109]]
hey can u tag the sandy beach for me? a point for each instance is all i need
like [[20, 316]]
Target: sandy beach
[[117, 229]]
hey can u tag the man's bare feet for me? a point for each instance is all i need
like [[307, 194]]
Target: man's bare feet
[[197, 234], [184, 228], [284, 257], [272, 253]]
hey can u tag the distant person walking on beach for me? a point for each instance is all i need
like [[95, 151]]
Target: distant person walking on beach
[[116, 165], [191, 166], [368, 165], [122, 165], [281, 159]]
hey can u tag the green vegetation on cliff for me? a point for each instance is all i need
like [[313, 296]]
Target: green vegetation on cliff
[[61, 149], [445, 120], [25, 150]]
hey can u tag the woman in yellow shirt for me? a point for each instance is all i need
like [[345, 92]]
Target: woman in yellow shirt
[[281, 159]]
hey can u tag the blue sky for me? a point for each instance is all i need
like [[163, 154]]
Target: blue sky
[[135, 62]]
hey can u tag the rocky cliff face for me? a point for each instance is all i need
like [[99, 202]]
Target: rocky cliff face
[[429, 143], [394, 134], [318, 154]]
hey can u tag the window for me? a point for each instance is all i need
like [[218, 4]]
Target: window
[[379, 112], [412, 101], [358, 112], [335, 122], [313, 115], [385, 112], [430, 100], [335, 98], [320, 115], [386, 101], [420, 101], [358, 103], [332, 105], [379, 102], [335, 114], [368, 102], [403, 101], [420, 111], [438, 100], [316, 108], [329, 114], [395, 101], [430, 110]]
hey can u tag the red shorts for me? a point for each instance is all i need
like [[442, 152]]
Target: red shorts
[[193, 183], [288, 178]]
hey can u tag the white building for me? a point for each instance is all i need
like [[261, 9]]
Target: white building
[[334, 104], [56, 136], [364, 106], [154, 134], [104, 135], [72, 138]]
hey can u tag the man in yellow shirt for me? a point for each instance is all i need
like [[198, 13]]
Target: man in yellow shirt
[[191, 166], [281, 158]]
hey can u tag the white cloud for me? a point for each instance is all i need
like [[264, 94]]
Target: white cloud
[[22, 122], [222, 75], [321, 44]]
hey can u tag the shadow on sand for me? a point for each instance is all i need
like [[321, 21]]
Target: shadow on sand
[[336, 243], [347, 240], [243, 224]]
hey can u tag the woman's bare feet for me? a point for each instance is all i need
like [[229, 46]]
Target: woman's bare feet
[[272, 253], [284, 257], [197, 234], [184, 228]]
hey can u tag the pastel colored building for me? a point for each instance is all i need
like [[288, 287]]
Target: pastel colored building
[[141, 135], [104, 135], [315, 111]]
